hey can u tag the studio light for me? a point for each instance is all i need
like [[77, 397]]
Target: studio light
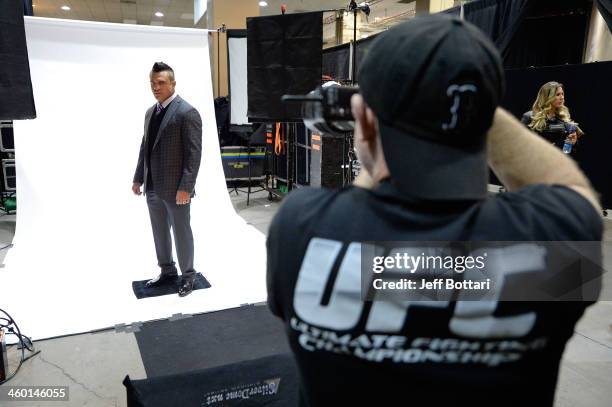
[[65, 8], [159, 14], [263, 3]]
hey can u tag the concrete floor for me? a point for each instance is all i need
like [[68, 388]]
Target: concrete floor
[[7, 231], [94, 365]]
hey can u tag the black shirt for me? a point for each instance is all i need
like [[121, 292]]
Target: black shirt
[[424, 361], [154, 124]]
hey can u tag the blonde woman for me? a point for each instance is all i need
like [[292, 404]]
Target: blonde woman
[[551, 119]]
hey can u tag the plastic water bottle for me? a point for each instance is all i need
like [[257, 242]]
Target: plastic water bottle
[[567, 147]]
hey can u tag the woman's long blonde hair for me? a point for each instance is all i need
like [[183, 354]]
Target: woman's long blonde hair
[[543, 109]]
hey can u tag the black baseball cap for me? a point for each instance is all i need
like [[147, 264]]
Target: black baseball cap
[[434, 83]]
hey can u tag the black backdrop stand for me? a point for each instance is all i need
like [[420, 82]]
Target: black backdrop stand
[[290, 128], [283, 57], [257, 138], [347, 147]]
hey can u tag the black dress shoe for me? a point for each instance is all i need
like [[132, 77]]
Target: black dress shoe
[[186, 288], [163, 278]]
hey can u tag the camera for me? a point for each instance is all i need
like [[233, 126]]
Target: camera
[[327, 109], [564, 129]]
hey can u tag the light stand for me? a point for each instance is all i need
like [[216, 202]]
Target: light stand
[[9, 326], [354, 7], [220, 30]]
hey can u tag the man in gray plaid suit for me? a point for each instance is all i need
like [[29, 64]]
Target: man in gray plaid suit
[[168, 165]]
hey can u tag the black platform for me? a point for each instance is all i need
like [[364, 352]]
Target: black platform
[[212, 339], [271, 381], [172, 287]]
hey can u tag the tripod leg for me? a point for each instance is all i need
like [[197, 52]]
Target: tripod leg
[[249, 161]]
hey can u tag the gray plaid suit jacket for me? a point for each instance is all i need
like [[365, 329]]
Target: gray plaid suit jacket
[[176, 153]]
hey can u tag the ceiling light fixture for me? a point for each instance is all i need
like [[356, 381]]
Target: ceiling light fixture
[[263, 3], [159, 14], [65, 8]]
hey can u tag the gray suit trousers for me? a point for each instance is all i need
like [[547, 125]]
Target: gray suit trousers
[[164, 217]]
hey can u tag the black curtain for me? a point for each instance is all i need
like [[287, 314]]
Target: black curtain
[[499, 19], [361, 52], [16, 97], [336, 62], [453, 11], [531, 48], [27, 8], [527, 32], [552, 33], [605, 9], [284, 54], [534, 32], [587, 87]]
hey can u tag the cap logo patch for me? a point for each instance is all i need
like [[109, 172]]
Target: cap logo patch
[[462, 96]]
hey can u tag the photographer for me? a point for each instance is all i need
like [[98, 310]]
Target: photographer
[[427, 122], [550, 118]]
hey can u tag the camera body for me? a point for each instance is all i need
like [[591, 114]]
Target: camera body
[[562, 128], [327, 110]]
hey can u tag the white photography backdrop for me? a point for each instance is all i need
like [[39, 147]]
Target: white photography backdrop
[[82, 237]]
